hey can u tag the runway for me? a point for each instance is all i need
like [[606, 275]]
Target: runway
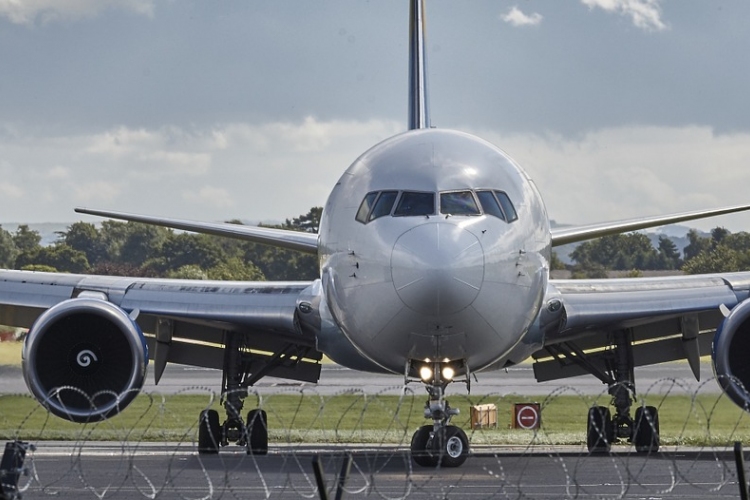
[[655, 379], [173, 471]]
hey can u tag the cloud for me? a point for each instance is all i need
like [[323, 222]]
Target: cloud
[[30, 11], [209, 195], [645, 14], [625, 172], [254, 171], [516, 17]]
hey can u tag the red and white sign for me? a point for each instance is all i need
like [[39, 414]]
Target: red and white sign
[[526, 415]]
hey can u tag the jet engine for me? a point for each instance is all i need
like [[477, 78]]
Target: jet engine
[[731, 348], [85, 359]]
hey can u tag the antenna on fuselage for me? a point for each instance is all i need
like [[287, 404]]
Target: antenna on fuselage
[[419, 115]]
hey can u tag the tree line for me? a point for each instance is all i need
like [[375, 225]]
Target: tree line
[[722, 251], [133, 249]]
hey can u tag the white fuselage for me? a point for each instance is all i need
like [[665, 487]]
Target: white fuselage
[[434, 286]]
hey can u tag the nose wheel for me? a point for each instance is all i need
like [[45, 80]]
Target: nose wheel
[[439, 444], [447, 447]]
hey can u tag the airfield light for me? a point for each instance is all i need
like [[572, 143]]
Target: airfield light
[[448, 373], [425, 373]]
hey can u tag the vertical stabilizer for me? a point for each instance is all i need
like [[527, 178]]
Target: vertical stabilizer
[[419, 115]]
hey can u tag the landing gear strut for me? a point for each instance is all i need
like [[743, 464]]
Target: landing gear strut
[[614, 368], [439, 444], [239, 373], [603, 430]]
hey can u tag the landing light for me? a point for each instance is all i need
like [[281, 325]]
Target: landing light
[[425, 373], [448, 373]]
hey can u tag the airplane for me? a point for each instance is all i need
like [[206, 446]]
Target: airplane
[[434, 249]]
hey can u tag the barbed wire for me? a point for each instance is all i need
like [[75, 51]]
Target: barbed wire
[[151, 450]]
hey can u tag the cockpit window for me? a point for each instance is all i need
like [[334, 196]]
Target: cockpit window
[[384, 204], [364, 208], [490, 205], [413, 203], [458, 203], [508, 208], [498, 204]]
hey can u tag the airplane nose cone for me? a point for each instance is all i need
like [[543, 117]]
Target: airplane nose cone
[[437, 268]]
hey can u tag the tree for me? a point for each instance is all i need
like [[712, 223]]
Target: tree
[[236, 269], [8, 249], [719, 260], [26, 239], [142, 242], [84, 237], [191, 249], [60, 256], [618, 251], [696, 245], [555, 263], [669, 256]]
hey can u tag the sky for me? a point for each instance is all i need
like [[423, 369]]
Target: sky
[[253, 109]]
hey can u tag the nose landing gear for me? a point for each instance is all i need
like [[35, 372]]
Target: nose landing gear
[[439, 444]]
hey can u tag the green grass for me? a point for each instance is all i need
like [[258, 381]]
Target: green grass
[[705, 420]]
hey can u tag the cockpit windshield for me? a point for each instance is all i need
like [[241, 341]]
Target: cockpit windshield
[[458, 203], [378, 204], [415, 203]]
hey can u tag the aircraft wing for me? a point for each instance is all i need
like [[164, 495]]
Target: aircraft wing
[[292, 240], [184, 321], [565, 235], [665, 319]]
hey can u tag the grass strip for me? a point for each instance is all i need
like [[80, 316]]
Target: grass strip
[[698, 420]]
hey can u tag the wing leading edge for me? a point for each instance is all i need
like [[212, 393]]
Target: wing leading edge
[[563, 236], [291, 240]]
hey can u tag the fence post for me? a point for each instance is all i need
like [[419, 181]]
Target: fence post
[[739, 459]]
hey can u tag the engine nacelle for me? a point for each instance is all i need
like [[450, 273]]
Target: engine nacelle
[[85, 359], [730, 352]]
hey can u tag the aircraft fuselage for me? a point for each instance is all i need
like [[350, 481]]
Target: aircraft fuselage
[[459, 276]]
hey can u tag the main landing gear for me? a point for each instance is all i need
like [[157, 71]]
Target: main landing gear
[[239, 373], [439, 444], [604, 429]]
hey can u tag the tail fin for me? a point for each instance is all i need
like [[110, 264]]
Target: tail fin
[[419, 115]]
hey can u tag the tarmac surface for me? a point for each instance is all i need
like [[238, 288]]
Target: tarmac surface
[[656, 379], [173, 471]]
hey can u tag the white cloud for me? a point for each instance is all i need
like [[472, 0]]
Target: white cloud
[[30, 11], [266, 171], [271, 171], [210, 196], [645, 14], [99, 191], [626, 172], [516, 17]]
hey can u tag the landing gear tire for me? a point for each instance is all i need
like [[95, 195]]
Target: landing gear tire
[[257, 432], [599, 435], [209, 432], [646, 434], [419, 452], [451, 446]]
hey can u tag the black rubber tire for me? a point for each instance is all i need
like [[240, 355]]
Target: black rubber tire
[[453, 447], [257, 432], [646, 433], [599, 433], [209, 432], [419, 451]]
